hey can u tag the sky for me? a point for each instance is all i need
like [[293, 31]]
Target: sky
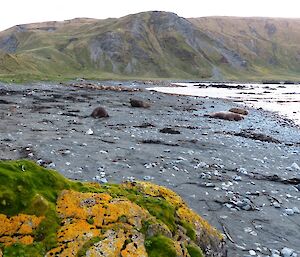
[[15, 12]]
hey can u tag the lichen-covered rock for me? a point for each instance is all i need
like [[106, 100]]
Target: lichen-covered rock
[[87, 219], [18, 229]]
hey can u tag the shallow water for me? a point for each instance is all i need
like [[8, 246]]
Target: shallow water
[[282, 99]]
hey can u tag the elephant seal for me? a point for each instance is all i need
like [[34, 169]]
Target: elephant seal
[[226, 116], [99, 112], [139, 103], [239, 111]]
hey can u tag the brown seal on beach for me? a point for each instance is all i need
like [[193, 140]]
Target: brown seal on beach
[[226, 116], [139, 103], [99, 112], [239, 111]]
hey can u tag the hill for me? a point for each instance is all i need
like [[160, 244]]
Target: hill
[[153, 45], [44, 214]]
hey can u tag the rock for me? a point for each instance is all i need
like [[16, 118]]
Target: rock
[[276, 205], [296, 210], [130, 219], [239, 111], [289, 211], [295, 167], [237, 178], [252, 252], [139, 103], [169, 131], [275, 255], [226, 116], [89, 132], [99, 112], [287, 252]]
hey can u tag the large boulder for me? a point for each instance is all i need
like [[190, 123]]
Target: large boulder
[[88, 219]]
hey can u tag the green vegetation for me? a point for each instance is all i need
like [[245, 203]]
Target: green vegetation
[[190, 231], [163, 46], [25, 185], [87, 245], [160, 246], [194, 251], [17, 250]]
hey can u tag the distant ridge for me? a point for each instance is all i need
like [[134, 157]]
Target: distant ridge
[[153, 45]]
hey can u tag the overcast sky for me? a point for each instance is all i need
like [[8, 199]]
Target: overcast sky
[[15, 12]]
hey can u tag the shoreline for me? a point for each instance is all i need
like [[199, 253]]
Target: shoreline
[[240, 93], [225, 178]]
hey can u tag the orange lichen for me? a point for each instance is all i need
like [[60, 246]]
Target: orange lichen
[[114, 243], [18, 228], [78, 209], [157, 191]]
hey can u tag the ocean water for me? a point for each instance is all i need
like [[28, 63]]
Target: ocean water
[[283, 99]]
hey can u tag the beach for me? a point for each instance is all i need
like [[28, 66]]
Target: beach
[[246, 185]]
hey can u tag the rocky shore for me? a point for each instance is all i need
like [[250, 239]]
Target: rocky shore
[[247, 187]]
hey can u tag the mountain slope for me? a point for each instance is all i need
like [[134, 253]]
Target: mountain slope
[[152, 45]]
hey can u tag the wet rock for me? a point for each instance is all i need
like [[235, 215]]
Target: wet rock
[[139, 103], [169, 131], [99, 112], [239, 111]]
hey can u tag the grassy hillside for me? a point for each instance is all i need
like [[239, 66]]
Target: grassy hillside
[[44, 214], [152, 45]]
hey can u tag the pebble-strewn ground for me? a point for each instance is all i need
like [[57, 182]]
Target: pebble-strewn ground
[[248, 189]]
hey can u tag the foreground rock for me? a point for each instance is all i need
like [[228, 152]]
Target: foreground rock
[[44, 214]]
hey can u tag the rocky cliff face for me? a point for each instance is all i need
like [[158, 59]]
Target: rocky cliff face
[[154, 44], [44, 214]]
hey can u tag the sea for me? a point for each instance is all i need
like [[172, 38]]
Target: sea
[[283, 99]]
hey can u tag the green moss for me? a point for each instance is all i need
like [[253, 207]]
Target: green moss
[[46, 231], [160, 246], [35, 185], [90, 220], [87, 245], [195, 251], [190, 231], [17, 250], [160, 209]]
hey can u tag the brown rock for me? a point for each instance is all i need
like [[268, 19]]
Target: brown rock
[[99, 112], [239, 111], [139, 103]]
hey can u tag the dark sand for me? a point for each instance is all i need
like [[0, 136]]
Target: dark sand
[[221, 176]]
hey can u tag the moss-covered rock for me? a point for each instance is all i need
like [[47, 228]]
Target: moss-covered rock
[[44, 214]]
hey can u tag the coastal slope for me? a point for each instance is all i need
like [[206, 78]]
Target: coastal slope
[[152, 45]]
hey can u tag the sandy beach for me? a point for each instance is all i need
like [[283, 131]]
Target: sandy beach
[[249, 189]]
